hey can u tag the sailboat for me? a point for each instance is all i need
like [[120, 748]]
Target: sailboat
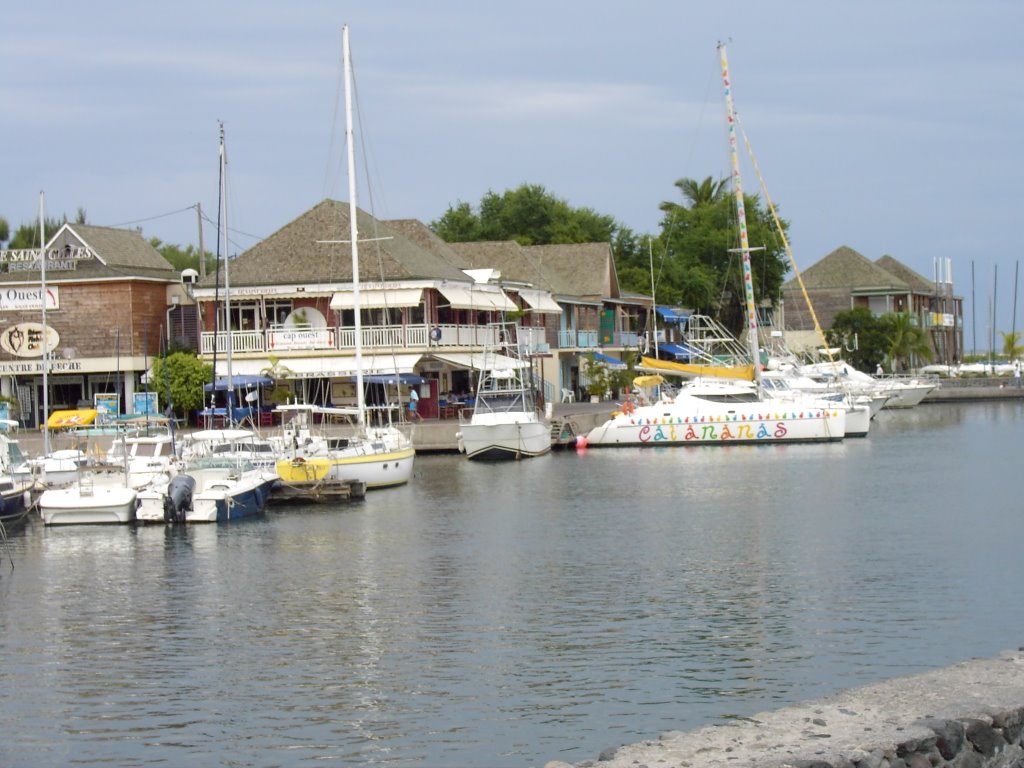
[[375, 456], [505, 423], [725, 412]]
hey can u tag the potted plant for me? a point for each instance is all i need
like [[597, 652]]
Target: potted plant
[[598, 380]]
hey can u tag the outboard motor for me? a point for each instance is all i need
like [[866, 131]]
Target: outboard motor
[[179, 498]]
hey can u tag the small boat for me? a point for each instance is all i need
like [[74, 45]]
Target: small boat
[[226, 489], [100, 495], [505, 422]]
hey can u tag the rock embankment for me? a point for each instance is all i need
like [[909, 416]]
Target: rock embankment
[[970, 715]]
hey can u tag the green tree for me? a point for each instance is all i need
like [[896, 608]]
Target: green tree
[[530, 215], [1012, 348], [5, 230], [700, 265], [27, 235], [183, 258], [862, 335], [187, 375], [907, 341]]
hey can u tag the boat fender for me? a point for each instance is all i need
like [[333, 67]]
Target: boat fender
[[28, 499]]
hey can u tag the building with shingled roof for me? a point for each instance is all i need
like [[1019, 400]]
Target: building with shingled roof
[[845, 279], [288, 305], [109, 296]]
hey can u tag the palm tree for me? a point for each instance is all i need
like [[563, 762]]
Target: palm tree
[[1011, 348], [698, 193], [906, 341]]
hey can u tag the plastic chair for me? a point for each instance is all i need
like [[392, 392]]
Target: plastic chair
[[568, 396]]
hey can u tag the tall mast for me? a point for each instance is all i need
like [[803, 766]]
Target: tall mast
[[353, 229], [741, 215], [46, 346], [223, 235]]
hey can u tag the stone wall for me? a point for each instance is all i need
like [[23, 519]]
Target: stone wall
[[970, 715]]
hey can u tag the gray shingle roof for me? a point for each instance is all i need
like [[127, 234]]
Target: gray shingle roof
[[515, 262], [120, 253], [584, 269], [846, 268], [298, 253], [917, 283]]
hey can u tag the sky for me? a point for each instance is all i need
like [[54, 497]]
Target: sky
[[887, 126]]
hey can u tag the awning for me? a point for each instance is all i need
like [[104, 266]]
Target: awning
[[676, 350], [541, 301], [77, 418], [611, 362], [673, 315], [393, 379], [324, 367], [238, 381], [378, 298], [475, 360], [464, 297]]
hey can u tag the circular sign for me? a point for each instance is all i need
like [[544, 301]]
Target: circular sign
[[26, 339]]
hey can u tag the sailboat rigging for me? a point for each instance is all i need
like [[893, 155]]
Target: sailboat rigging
[[716, 411], [373, 457]]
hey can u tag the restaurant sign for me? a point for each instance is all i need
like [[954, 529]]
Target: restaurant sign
[[29, 298], [27, 340]]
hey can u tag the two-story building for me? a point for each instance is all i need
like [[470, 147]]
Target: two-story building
[[98, 308], [845, 279], [288, 305]]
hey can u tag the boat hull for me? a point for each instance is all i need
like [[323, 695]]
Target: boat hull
[[497, 440], [762, 423], [223, 498], [373, 470], [102, 505]]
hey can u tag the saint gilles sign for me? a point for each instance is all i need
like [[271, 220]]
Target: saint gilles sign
[[26, 259]]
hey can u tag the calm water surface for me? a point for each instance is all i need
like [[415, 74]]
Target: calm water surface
[[512, 614]]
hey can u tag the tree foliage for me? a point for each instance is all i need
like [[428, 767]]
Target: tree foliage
[[183, 258], [529, 214], [907, 341], [863, 337], [1012, 348], [187, 375]]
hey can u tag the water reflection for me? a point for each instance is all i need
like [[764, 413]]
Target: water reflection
[[510, 615]]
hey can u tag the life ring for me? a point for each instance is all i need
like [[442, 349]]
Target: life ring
[[435, 334]]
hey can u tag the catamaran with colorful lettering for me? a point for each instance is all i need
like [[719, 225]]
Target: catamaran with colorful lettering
[[725, 411]]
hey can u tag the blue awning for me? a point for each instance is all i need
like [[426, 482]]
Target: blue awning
[[676, 350], [239, 382], [390, 378], [673, 314], [612, 362]]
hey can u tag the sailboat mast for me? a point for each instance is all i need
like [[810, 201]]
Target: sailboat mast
[[741, 215], [223, 235], [353, 229], [46, 349]]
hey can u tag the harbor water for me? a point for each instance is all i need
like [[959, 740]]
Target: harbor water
[[511, 614]]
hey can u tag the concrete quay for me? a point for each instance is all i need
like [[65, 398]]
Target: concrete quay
[[969, 715]]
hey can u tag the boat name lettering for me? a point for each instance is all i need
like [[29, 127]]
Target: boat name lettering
[[729, 432]]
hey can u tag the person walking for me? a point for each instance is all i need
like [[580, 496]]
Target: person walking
[[1016, 373]]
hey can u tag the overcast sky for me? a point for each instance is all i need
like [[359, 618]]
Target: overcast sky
[[888, 126]]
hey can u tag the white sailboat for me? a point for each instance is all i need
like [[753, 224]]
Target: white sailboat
[[505, 422], [710, 413], [374, 456]]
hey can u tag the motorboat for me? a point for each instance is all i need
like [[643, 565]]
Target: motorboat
[[505, 422]]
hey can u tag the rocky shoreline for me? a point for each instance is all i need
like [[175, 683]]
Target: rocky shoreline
[[969, 715]]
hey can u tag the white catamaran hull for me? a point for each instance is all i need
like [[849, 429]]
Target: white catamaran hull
[[504, 436], [690, 421]]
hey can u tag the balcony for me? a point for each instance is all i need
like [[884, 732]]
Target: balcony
[[414, 338]]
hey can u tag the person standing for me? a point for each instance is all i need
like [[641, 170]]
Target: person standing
[[414, 402], [1016, 373]]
